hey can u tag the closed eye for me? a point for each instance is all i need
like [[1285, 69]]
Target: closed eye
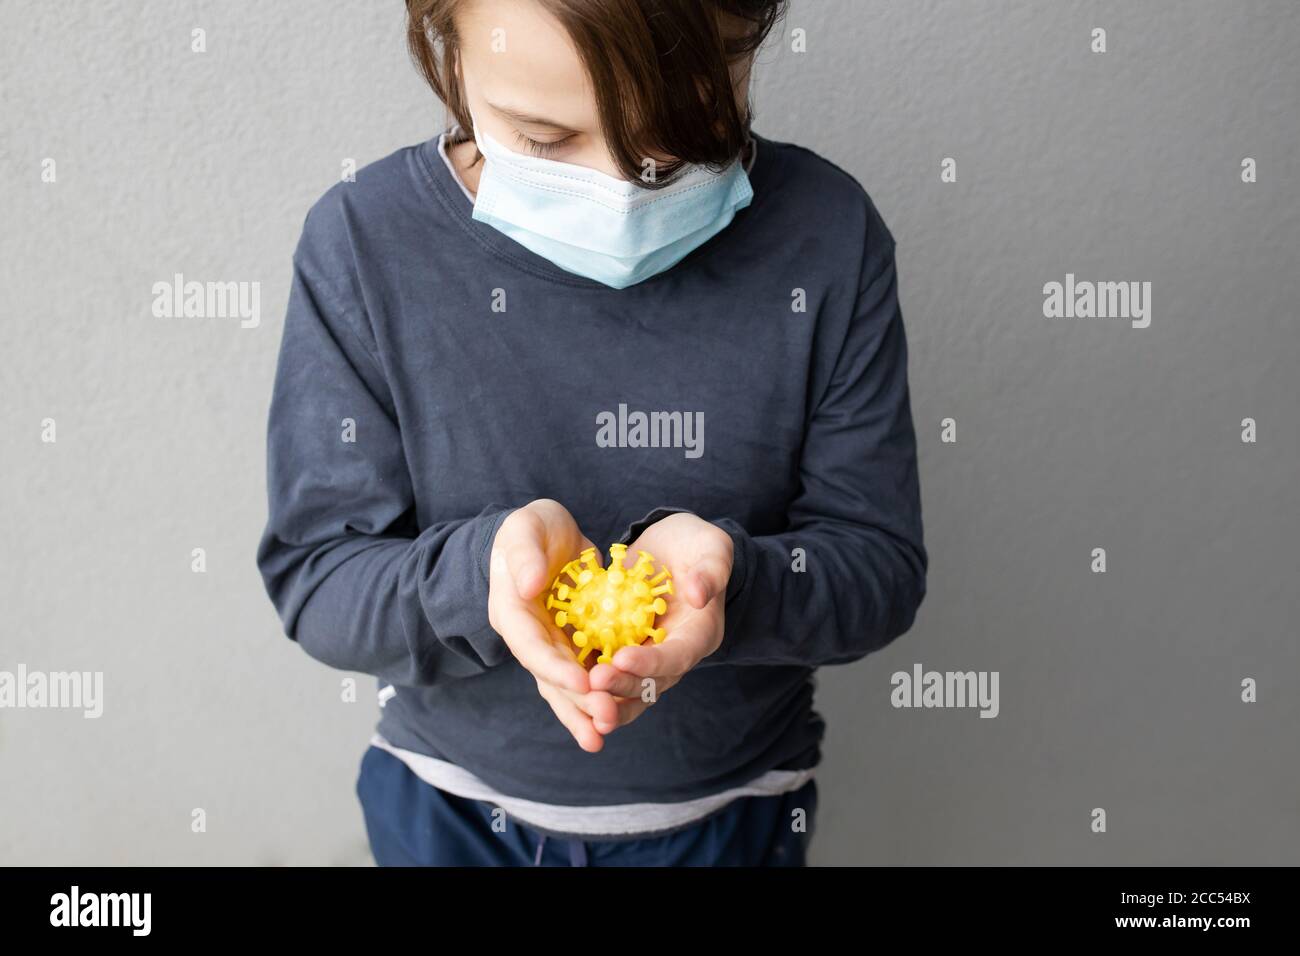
[[539, 148]]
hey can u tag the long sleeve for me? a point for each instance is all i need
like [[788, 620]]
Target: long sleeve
[[354, 583], [847, 575]]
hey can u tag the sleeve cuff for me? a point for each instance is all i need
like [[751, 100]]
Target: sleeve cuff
[[741, 563], [658, 514], [493, 516]]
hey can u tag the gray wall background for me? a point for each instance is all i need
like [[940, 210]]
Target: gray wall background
[[1119, 690]]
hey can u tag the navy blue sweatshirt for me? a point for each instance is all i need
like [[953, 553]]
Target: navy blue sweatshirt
[[434, 374]]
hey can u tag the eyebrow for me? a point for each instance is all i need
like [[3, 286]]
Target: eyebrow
[[519, 116]]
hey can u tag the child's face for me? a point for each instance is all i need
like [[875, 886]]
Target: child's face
[[526, 85]]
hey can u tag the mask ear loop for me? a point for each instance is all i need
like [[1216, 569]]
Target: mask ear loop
[[750, 153], [454, 136], [457, 134]]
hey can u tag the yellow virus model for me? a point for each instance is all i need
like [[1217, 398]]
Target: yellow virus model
[[609, 608]]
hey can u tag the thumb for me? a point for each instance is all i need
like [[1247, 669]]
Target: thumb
[[526, 559], [705, 580], [528, 571]]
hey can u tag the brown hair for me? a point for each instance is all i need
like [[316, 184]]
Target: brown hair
[[661, 70]]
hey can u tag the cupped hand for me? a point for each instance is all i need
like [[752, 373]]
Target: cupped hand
[[531, 546], [699, 555]]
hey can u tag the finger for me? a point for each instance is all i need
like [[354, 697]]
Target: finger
[[629, 709], [652, 688], [618, 682], [525, 553], [574, 720], [684, 647], [599, 706], [622, 684], [559, 534], [706, 578], [532, 646]]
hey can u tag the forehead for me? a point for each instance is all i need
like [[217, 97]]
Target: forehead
[[515, 54]]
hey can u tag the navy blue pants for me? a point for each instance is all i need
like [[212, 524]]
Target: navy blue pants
[[411, 823]]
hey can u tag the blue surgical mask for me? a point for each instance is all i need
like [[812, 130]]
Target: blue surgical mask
[[610, 230]]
